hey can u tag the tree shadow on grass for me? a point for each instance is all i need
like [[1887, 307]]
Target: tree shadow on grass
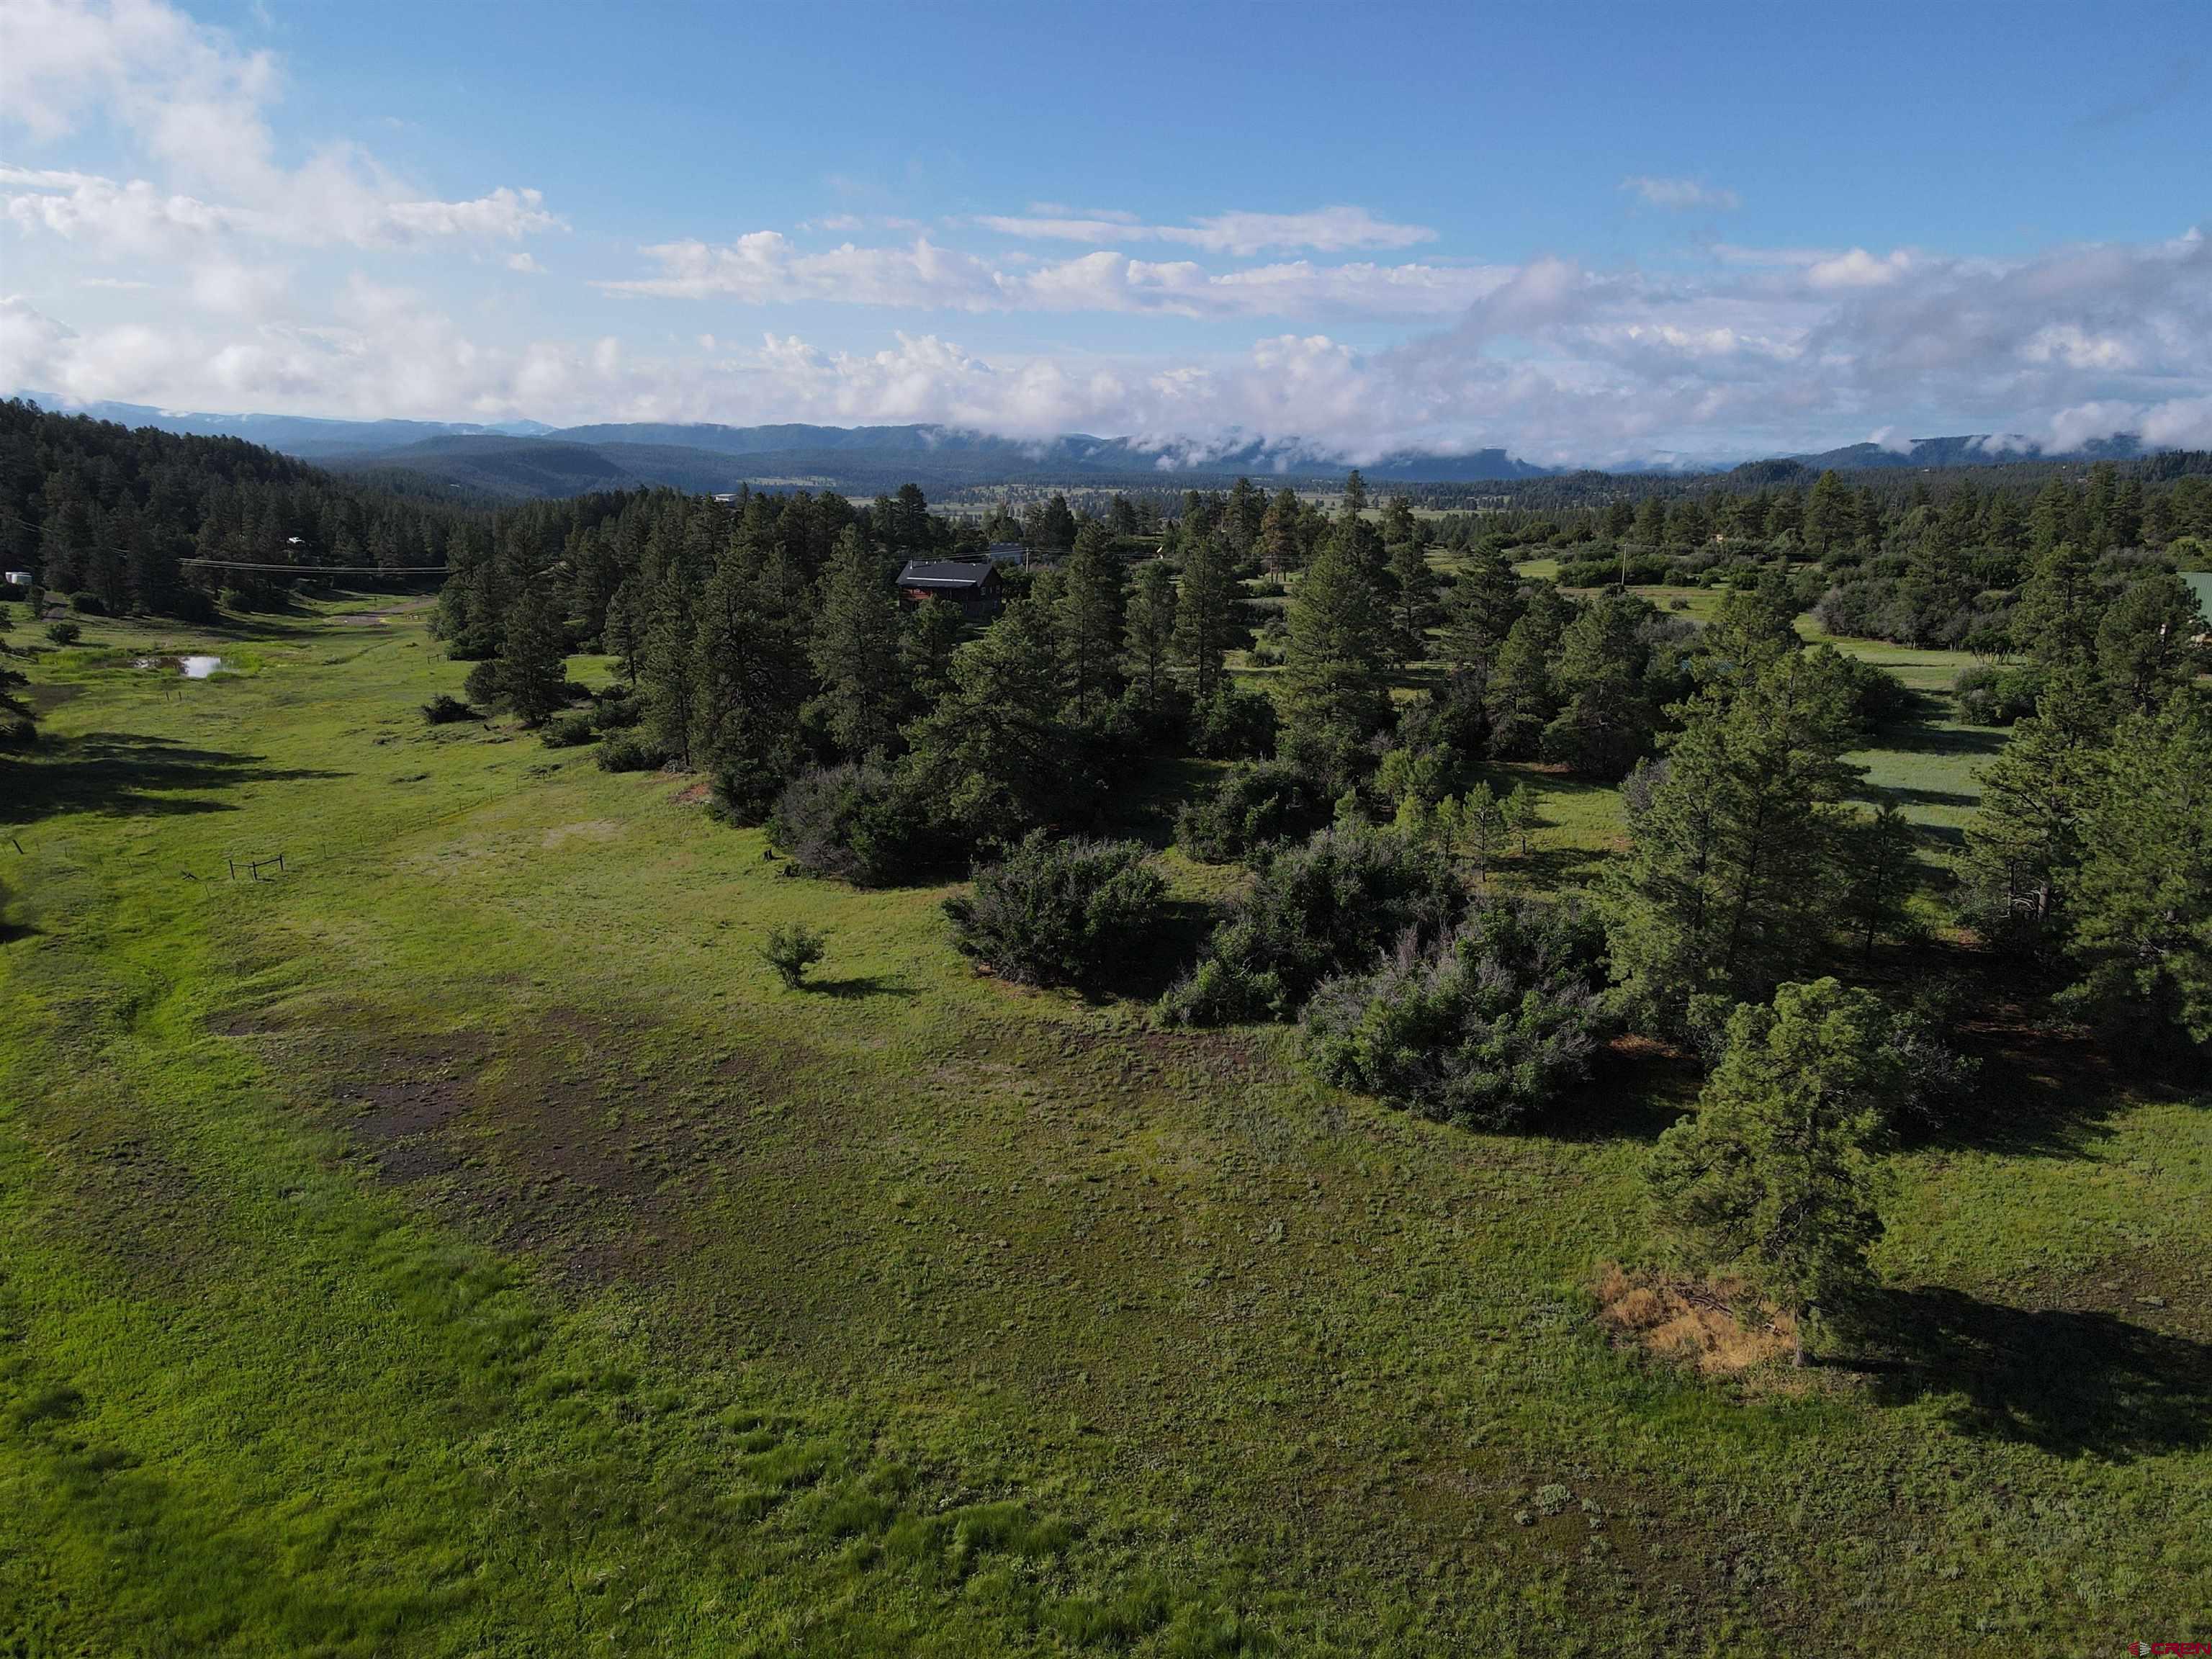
[[1637, 1090], [2073, 1383], [857, 986], [127, 775], [1904, 796], [1550, 869], [1925, 738]]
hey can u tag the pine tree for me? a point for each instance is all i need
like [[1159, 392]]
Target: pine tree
[[1240, 518], [668, 669], [1735, 864], [1334, 676], [2055, 623], [1413, 598], [910, 532], [1750, 627], [1206, 604], [994, 758], [1830, 517], [1883, 873], [1280, 549], [1089, 618], [1480, 609], [1608, 722], [1524, 815], [750, 673], [2146, 641], [854, 651], [1483, 824], [1055, 531], [931, 634], [532, 658], [1650, 529], [2024, 847], [1520, 698], [622, 634], [1151, 629], [2142, 929], [1774, 1177]]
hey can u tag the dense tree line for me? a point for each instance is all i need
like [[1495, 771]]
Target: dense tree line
[[114, 517]]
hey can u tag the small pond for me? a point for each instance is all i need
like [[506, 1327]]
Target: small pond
[[198, 668]]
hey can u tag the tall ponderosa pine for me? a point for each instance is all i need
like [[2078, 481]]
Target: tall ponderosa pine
[[1413, 596], [2147, 647], [2024, 846], [992, 759], [1481, 607], [668, 668], [532, 659], [1883, 873], [622, 634], [1090, 602], [1335, 674], [2054, 624], [2142, 929], [1280, 548], [1521, 697], [749, 653], [1608, 722], [854, 651], [933, 633], [1734, 866], [1830, 517], [1750, 627], [1150, 629], [1206, 604]]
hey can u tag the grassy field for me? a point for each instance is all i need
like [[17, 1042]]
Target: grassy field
[[460, 1244]]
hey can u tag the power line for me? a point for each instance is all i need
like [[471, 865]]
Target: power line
[[325, 570]]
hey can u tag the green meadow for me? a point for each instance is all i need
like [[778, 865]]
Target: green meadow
[[459, 1242]]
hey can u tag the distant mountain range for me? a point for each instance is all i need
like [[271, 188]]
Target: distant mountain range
[[528, 458]]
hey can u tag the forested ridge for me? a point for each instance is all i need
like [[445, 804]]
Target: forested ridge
[[115, 517]]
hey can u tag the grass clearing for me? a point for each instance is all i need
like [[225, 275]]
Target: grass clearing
[[463, 1243]]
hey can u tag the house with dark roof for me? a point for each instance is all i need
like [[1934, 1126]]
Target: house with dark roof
[[973, 585]]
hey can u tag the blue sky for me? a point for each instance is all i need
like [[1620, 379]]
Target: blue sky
[[1596, 234]]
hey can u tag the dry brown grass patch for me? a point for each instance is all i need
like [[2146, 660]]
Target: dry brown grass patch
[[1716, 1326]]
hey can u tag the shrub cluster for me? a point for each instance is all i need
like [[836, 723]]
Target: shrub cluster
[[444, 710], [1326, 907], [1061, 912], [568, 731], [627, 752], [1487, 1025], [1254, 808], [851, 822], [1233, 724], [1992, 695]]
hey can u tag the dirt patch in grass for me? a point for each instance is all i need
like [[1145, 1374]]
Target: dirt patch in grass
[[410, 1092], [587, 1143], [1718, 1326]]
